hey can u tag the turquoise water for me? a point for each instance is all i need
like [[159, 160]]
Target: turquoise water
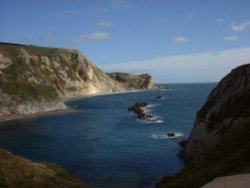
[[104, 144]]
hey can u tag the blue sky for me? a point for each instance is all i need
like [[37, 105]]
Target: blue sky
[[174, 40]]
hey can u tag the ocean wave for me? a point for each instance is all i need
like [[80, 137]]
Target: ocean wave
[[149, 107], [165, 135], [154, 120], [164, 98], [150, 121]]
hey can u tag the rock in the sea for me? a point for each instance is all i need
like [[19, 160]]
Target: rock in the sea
[[171, 134], [183, 143], [137, 108], [144, 116], [158, 97]]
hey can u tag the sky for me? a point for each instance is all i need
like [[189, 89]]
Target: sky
[[176, 41]]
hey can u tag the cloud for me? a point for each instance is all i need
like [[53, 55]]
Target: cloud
[[199, 67], [240, 27], [47, 37], [104, 24], [231, 38], [219, 20], [179, 40], [91, 37]]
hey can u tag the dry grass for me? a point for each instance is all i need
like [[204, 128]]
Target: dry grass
[[19, 172]]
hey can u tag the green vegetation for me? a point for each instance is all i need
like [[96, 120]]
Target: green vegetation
[[17, 172], [15, 83], [36, 50], [229, 156]]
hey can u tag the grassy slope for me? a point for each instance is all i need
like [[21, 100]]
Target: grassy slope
[[19, 172], [13, 76], [229, 156]]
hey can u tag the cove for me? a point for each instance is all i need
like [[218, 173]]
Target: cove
[[104, 144]]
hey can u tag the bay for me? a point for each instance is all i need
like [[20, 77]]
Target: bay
[[104, 144]]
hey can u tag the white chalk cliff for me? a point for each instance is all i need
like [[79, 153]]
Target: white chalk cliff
[[37, 79]]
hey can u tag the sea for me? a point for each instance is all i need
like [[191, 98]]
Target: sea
[[104, 144]]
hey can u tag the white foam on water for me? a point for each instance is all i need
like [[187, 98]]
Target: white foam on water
[[149, 107], [159, 136], [154, 120], [165, 135]]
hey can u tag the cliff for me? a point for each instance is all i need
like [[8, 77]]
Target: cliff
[[228, 102], [219, 143], [37, 79], [137, 82], [19, 172]]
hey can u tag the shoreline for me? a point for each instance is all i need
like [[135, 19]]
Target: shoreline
[[103, 94], [9, 117]]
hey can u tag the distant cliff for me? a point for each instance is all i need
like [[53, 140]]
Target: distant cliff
[[37, 79], [219, 143], [22, 173], [143, 81]]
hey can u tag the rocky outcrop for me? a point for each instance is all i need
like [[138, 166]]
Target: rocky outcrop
[[22, 173], [228, 156], [219, 143], [137, 82], [228, 102], [137, 109], [37, 79]]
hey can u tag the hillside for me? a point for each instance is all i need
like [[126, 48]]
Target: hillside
[[219, 143], [37, 79], [22, 173]]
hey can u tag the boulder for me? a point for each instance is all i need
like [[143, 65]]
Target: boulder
[[158, 97], [171, 134]]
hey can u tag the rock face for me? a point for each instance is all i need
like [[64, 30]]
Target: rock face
[[37, 79], [219, 143], [21, 173], [137, 82], [229, 101]]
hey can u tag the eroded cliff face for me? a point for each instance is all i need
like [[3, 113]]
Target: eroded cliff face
[[219, 143], [137, 82], [228, 102], [37, 79]]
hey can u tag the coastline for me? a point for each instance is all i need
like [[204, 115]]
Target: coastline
[[9, 117], [102, 94]]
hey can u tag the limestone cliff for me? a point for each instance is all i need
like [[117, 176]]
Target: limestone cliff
[[22, 173], [143, 81], [229, 101], [37, 79]]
